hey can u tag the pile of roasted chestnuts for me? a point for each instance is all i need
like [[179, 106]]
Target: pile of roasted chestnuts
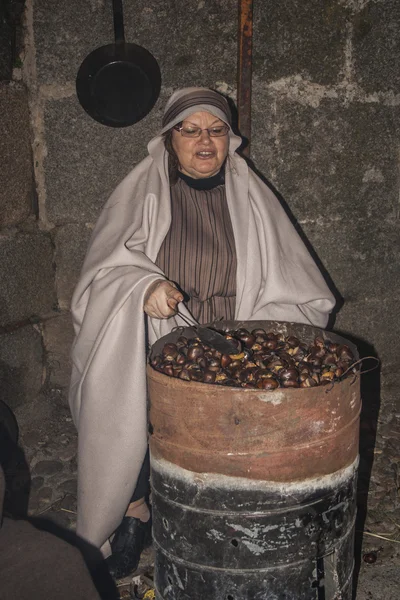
[[264, 360]]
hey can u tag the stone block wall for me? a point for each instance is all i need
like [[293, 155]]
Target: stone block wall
[[325, 133]]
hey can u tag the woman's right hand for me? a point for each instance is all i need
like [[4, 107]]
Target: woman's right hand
[[161, 299]]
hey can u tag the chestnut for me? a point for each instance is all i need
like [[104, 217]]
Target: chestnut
[[195, 352], [214, 362], [221, 376], [248, 340], [316, 362], [332, 347], [271, 335], [225, 360], [194, 341], [285, 357], [344, 353], [182, 341], [276, 365], [290, 383], [230, 383], [202, 362], [259, 332], [330, 359], [235, 364], [307, 382], [316, 377], [168, 370], [270, 344], [290, 373], [209, 376], [268, 383], [170, 351], [196, 375], [235, 342], [180, 358], [233, 372], [248, 375], [256, 347], [299, 353], [260, 362], [327, 375], [192, 366], [184, 374], [317, 352], [370, 557], [156, 361], [319, 342]]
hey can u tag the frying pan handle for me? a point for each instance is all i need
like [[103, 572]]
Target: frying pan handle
[[118, 22]]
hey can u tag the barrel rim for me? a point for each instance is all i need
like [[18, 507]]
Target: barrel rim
[[229, 324]]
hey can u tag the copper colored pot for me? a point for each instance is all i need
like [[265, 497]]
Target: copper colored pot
[[282, 435]]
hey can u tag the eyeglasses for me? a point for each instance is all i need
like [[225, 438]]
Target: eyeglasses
[[195, 132]]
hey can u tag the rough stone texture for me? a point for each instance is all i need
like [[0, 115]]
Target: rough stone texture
[[26, 274], [353, 263], [16, 180], [331, 161], [47, 467], [63, 38], [194, 46], [10, 35], [304, 38], [71, 244], [50, 420], [380, 580], [69, 486], [21, 366], [376, 321], [5, 43], [78, 187], [58, 336], [377, 46]]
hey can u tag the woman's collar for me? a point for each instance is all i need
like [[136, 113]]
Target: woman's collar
[[206, 183]]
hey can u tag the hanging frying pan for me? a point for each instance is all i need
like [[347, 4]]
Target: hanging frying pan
[[118, 84]]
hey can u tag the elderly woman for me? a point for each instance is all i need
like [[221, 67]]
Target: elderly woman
[[190, 222]]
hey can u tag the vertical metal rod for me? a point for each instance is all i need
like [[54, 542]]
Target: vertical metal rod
[[118, 21], [245, 51]]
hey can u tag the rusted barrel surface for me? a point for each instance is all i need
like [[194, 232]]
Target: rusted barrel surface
[[254, 491]]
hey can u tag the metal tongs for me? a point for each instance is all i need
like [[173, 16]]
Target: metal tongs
[[209, 336]]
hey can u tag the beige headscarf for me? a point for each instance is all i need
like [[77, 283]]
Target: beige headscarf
[[276, 279]]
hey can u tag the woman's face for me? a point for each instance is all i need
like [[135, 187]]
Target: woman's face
[[202, 156]]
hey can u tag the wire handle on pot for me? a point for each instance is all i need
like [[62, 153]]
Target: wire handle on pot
[[360, 361], [328, 389]]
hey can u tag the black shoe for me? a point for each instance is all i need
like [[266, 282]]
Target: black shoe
[[130, 539]]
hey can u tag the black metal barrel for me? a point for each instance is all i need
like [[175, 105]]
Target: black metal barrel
[[253, 492]]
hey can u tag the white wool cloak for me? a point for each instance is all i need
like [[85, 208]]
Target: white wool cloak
[[276, 279]]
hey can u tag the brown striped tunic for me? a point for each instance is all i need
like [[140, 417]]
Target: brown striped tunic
[[198, 253]]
